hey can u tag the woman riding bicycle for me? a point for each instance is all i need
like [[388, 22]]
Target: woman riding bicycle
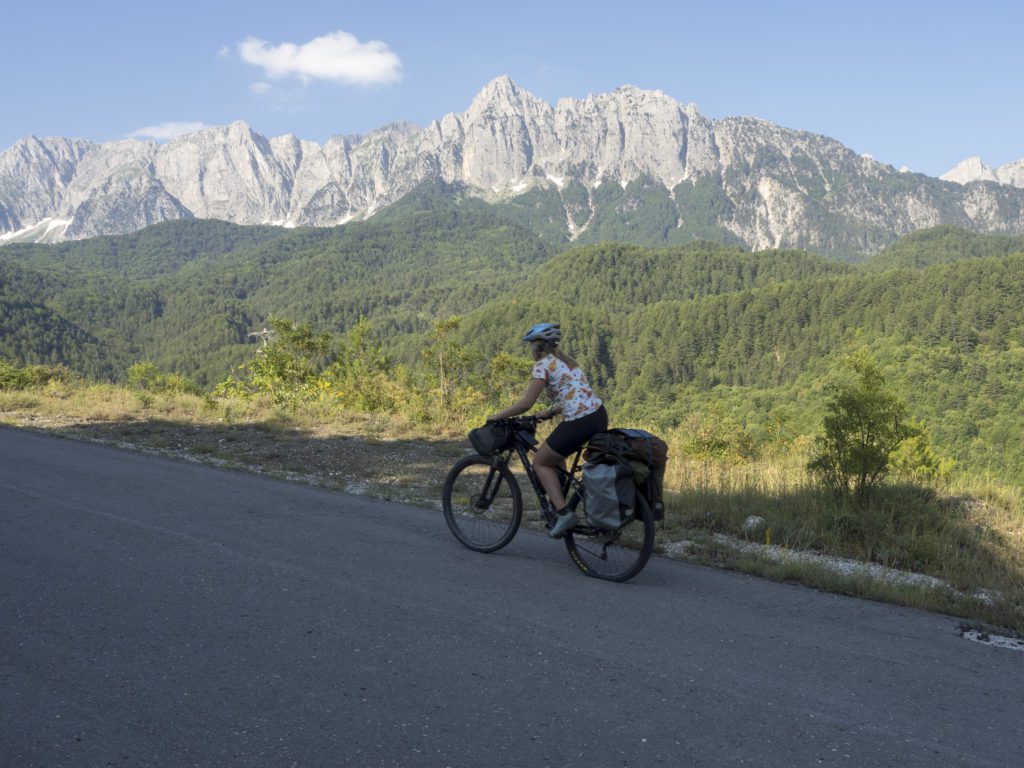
[[583, 414]]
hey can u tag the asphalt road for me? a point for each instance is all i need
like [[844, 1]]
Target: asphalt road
[[158, 613]]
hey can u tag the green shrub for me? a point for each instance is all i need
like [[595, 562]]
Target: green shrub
[[31, 376], [145, 377], [864, 424], [715, 434]]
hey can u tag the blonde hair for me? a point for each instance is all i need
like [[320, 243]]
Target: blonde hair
[[541, 348]]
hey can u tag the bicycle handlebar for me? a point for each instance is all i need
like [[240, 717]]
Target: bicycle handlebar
[[525, 419]]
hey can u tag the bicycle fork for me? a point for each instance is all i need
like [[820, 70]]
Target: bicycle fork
[[491, 487]]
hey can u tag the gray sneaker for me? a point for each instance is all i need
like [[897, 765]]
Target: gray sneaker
[[565, 522]]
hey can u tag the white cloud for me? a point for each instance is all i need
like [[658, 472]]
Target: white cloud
[[224, 52], [261, 88], [338, 56], [166, 131]]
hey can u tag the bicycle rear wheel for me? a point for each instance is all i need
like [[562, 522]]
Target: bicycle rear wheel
[[483, 505], [614, 555]]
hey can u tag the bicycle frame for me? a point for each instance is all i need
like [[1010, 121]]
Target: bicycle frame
[[568, 477]]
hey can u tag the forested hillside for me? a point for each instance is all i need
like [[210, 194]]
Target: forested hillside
[[940, 245], [667, 334], [33, 333], [156, 251], [620, 278], [189, 303]]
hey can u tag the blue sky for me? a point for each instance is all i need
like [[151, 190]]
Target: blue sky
[[921, 84]]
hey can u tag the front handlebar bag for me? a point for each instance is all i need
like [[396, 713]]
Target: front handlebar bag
[[491, 439]]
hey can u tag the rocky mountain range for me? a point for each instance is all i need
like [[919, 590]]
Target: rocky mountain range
[[631, 164]]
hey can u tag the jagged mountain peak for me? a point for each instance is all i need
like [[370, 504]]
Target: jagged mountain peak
[[503, 96], [636, 92], [239, 129], [50, 144], [500, 84], [397, 130], [623, 95], [973, 169], [42, 141], [400, 129]]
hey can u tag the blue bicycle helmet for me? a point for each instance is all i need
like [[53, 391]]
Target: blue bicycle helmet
[[544, 332]]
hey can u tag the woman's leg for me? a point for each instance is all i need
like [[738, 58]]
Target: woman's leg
[[544, 464]]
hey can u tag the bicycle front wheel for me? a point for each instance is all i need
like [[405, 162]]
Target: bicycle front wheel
[[483, 505], [614, 555]]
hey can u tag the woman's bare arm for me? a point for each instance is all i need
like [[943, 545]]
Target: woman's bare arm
[[525, 403]]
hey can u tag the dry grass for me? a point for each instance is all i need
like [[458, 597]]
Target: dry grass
[[971, 537]]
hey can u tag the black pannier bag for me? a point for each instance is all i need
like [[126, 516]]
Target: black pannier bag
[[641, 449], [609, 494], [491, 439]]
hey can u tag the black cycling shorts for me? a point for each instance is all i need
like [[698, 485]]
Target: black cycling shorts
[[568, 436]]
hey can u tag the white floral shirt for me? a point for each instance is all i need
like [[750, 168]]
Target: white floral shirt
[[567, 387]]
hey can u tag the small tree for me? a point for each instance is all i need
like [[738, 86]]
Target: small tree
[[864, 423], [917, 459], [288, 368], [361, 377], [450, 364]]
